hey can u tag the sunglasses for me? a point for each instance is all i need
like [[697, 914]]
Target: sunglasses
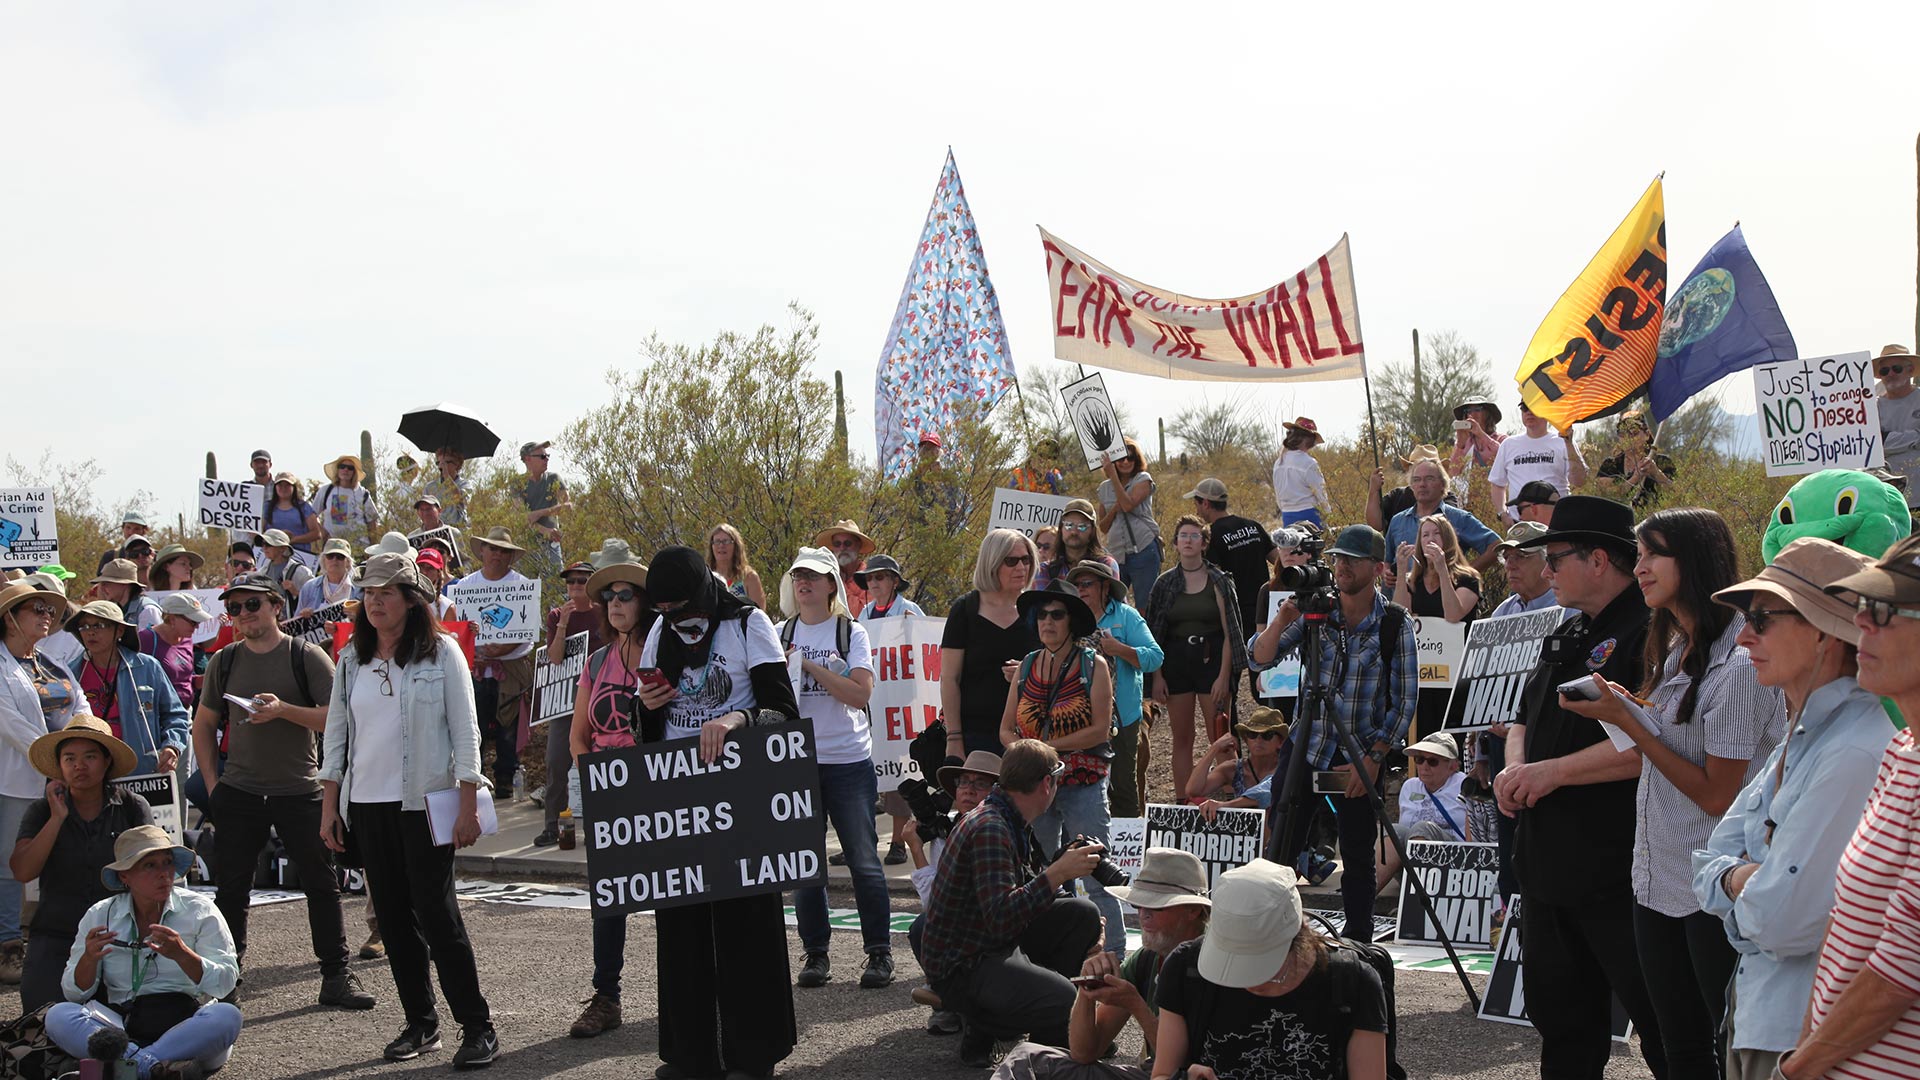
[[625, 596], [1762, 618], [1077, 526], [1017, 560], [577, 579], [41, 607], [240, 564], [1269, 735], [335, 555], [1052, 613], [91, 627], [542, 457], [1882, 612], [1553, 558], [252, 603], [1423, 759], [1892, 369], [801, 574]]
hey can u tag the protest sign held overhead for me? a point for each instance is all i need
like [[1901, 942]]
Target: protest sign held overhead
[[317, 628], [1596, 347], [1438, 646], [232, 504], [29, 539], [1463, 882], [1094, 420], [1231, 839], [1305, 327], [906, 690], [946, 351], [554, 684], [1722, 320], [503, 612], [1025, 511], [667, 829], [1500, 655], [1818, 413]]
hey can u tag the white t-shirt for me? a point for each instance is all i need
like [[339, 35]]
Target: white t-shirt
[[376, 734], [1524, 459], [1297, 482], [519, 651], [723, 685], [1416, 805], [842, 735]]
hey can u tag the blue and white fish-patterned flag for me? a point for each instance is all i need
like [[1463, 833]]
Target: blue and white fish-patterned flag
[[1723, 319], [947, 345]]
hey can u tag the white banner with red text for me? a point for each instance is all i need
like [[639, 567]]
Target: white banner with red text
[[906, 690]]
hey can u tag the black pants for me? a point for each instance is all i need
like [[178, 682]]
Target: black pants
[[1687, 963], [241, 821], [1357, 829], [1575, 960], [726, 992], [506, 737], [410, 882], [559, 761], [1502, 824], [1009, 993]]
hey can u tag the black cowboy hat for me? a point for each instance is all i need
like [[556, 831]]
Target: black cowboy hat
[[1080, 618], [1587, 519]]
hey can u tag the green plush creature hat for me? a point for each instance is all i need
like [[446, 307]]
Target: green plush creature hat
[[1852, 509]]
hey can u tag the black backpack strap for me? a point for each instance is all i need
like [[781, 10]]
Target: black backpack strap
[[299, 653], [786, 632], [1393, 623], [843, 635]]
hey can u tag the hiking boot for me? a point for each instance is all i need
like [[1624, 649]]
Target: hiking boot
[[417, 1039], [477, 1049], [943, 1022], [601, 1015], [176, 1070], [817, 971], [13, 960], [838, 858], [342, 990], [878, 972], [896, 854], [375, 948], [547, 838], [976, 1048]]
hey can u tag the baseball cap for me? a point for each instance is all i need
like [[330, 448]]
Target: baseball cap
[[133, 517], [259, 583], [430, 500], [931, 439], [1535, 491], [1521, 534], [134, 542], [276, 538], [57, 572], [431, 557], [1256, 916], [260, 455], [1210, 489], [533, 447], [1360, 542], [183, 604], [1439, 744]]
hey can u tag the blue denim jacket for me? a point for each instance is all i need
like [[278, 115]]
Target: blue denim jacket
[[439, 734], [151, 714], [1777, 925], [1129, 628]]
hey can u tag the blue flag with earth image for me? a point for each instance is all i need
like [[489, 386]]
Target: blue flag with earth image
[[1723, 319]]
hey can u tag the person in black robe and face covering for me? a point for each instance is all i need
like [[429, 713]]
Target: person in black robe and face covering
[[726, 997]]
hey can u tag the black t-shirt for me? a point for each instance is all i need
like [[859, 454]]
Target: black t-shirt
[[1428, 603], [1240, 547], [70, 881], [1300, 1035], [1575, 846], [1615, 468], [983, 687], [1401, 498]]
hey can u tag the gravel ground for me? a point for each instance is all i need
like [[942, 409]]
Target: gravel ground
[[535, 965]]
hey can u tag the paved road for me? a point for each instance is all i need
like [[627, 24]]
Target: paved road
[[535, 965]]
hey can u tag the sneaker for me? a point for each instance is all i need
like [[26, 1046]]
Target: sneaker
[[13, 960], [176, 1070], [375, 948], [601, 1015], [566, 838], [878, 972], [547, 838], [342, 990], [477, 1049], [838, 858], [896, 854], [943, 1022], [976, 1048], [818, 969], [416, 1040]]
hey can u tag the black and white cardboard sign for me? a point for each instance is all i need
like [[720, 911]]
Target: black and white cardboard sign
[[1094, 420], [1231, 839], [162, 792], [1500, 655], [1464, 882], [240, 505], [1505, 1000], [1025, 511], [554, 684], [317, 628], [29, 538], [665, 829], [446, 534]]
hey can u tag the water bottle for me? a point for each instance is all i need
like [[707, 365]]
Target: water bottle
[[520, 783]]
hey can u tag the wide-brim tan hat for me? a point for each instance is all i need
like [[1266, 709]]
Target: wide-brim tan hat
[[276, 538], [867, 545], [498, 537], [44, 753], [633, 573], [174, 551], [118, 572], [1799, 576], [387, 568], [109, 612], [19, 592], [137, 843], [346, 459], [1167, 878], [984, 762], [1421, 452], [1261, 720]]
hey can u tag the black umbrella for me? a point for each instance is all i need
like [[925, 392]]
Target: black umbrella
[[448, 426]]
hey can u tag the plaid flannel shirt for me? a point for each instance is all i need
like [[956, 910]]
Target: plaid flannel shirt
[[1357, 699], [989, 887]]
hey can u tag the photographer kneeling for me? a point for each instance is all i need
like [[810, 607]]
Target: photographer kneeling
[[999, 944]]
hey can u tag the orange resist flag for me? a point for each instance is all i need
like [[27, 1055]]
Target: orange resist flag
[[1596, 348]]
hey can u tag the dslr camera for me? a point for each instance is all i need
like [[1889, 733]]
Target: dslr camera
[[1104, 871]]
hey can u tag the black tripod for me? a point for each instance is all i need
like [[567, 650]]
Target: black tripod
[[1291, 811]]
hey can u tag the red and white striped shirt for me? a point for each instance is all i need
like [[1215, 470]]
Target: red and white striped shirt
[[1876, 914]]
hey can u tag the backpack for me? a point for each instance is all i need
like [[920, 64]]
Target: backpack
[[298, 652], [1393, 622], [842, 634], [1344, 957]]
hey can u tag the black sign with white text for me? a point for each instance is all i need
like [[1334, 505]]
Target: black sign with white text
[[1464, 882], [1501, 653], [666, 829], [1230, 840]]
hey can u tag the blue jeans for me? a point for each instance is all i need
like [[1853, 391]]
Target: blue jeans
[[1081, 809], [609, 953], [206, 1037], [1288, 517], [1141, 569], [12, 810], [848, 792]]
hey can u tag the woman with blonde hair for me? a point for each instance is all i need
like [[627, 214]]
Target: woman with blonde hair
[[985, 633], [727, 555], [1436, 582]]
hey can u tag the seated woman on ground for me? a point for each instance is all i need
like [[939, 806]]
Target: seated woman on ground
[[1226, 773], [1431, 805]]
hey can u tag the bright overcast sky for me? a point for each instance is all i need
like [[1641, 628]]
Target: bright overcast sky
[[232, 225]]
